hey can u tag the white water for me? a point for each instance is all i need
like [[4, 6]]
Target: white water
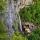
[[10, 16], [12, 8]]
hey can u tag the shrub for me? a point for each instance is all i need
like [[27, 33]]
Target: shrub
[[19, 36], [35, 35], [3, 31], [31, 13]]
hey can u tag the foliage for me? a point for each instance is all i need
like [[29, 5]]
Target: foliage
[[31, 13], [19, 36], [2, 6], [3, 31], [35, 35]]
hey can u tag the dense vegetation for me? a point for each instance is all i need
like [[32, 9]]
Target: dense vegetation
[[3, 33], [35, 35], [30, 14]]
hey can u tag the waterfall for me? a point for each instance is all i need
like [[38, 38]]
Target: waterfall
[[10, 16]]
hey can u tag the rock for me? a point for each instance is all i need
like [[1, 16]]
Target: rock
[[28, 27]]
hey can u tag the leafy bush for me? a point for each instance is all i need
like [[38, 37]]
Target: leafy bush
[[31, 13], [35, 35], [19, 36], [2, 6], [3, 31]]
